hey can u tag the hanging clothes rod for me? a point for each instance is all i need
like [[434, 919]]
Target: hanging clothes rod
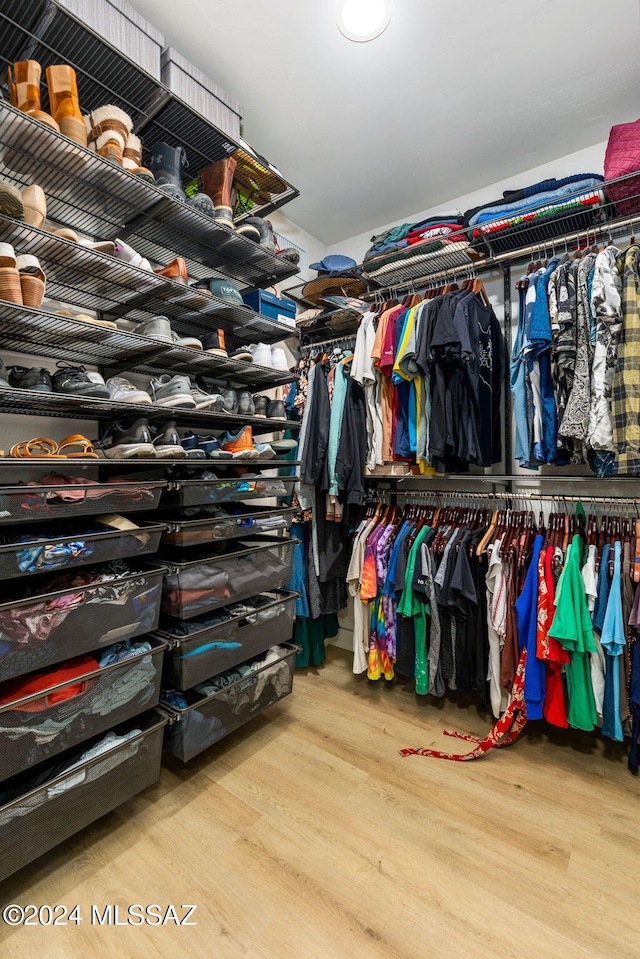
[[459, 496], [348, 342]]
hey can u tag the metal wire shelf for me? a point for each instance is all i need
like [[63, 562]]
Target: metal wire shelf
[[90, 408], [145, 464], [24, 330], [94, 196], [44, 31]]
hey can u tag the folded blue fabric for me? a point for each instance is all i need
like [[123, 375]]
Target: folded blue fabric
[[529, 203], [545, 186]]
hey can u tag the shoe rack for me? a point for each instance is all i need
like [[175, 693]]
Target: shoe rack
[[99, 199]]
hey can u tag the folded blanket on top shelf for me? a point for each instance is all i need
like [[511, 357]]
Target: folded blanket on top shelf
[[542, 214], [546, 189], [532, 203], [427, 257]]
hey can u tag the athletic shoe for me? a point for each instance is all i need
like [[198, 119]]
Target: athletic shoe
[[172, 391], [167, 441], [245, 403], [261, 403], [207, 401], [157, 328], [73, 380], [122, 391], [192, 342], [213, 342], [242, 353], [36, 379], [275, 410], [279, 359], [207, 445], [230, 400], [124, 442], [265, 451], [240, 444], [261, 353]]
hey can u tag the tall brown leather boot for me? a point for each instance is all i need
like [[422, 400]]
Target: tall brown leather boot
[[217, 182], [24, 91], [64, 104]]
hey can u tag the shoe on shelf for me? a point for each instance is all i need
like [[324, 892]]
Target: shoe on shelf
[[121, 390], [260, 403], [279, 359], [249, 230], [128, 255], [168, 164], [172, 391], [192, 342], [10, 287], [11, 203], [132, 159], [242, 353], [4, 382], [217, 182], [64, 104], [176, 271], [65, 233], [23, 80], [213, 342], [209, 445], [73, 381], [230, 400], [258, 230], [265, 451], [126, 439], [99, 246], [202, 203], [240, 444], [157, 328], [35, 205], [167, 441], [207, 401], [36, 378], [275, 410], [108, 129], [32, 280], [261, 353], [245, 403]]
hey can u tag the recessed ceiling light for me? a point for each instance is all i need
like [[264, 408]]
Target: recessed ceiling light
[[363, 20]]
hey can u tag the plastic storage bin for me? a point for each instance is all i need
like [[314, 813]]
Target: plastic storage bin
[[46, 815], [62, 550], [199, 492], [56, 624], [31, 504], [35, 728], [268, 304], [199, 532], [201, 93], [209, 580], [215, 647], [120, 25], [209, 718]]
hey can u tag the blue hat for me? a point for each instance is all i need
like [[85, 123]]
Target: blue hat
[[225, 290], [334, 264]]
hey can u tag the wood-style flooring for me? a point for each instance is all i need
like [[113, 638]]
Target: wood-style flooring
[[306, 836]]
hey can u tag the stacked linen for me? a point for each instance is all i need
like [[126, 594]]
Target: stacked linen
[[415, 245], [554, 206]]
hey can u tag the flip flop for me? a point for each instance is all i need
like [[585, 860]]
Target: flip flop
[[39, 446], [77, 439]]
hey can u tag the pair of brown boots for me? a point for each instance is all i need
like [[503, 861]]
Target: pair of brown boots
[[65, 115]]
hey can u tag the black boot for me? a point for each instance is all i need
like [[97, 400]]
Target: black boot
[[168, 165]]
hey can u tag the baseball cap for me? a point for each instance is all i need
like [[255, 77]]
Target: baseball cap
[[226, 290]]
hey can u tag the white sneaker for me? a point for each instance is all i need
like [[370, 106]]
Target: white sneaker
[[96, 378], [122, 391], [278, 358], [261, 353]]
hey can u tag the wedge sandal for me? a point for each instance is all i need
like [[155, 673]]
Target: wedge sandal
[[32, 280]]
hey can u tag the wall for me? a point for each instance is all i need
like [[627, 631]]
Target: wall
[[589, 160]]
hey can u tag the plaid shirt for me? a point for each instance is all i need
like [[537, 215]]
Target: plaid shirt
[[625, 404]]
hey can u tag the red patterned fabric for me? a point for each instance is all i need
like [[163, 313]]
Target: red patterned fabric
[[505, 731], [623, 157]]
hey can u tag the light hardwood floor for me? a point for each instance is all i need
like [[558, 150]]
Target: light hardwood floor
[[306, 836]]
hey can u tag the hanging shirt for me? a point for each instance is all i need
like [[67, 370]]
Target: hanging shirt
[[527, 614], [613, 641]]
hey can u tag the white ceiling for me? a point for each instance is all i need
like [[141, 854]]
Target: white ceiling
[[454, 96]]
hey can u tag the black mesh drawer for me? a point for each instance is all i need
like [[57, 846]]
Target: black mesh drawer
[[68, 550], [199, 532], [64, 803], [207, 719], [31, 504], [34, 728], [211, 580], [199, 492], [57, 624], [211, 649]]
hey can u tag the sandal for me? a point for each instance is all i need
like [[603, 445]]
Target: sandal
[[32, 280], [40, 446], [10, 288], [78, 440]]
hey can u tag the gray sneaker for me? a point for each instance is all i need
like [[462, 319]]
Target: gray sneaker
[[173, 391], [207, 401], [157, 328]]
